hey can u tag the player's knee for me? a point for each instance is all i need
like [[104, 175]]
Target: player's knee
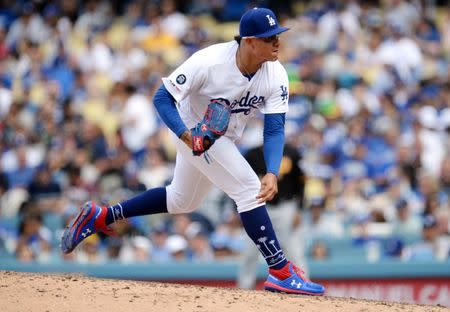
[[248, 205], [246, 201], [179, 203]]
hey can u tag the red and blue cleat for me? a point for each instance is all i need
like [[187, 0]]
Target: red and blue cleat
[[290, 280], [90, 220]]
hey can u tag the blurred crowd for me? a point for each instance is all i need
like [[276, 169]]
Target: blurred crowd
[[369, 115]]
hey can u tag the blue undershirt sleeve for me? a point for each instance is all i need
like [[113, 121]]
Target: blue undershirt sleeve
[[273, 141], [165, 105]]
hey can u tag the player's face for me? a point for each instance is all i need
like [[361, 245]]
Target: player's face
[[268, 47]]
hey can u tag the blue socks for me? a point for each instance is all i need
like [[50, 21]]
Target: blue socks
[[259, 228], [149, 202], [256, 222]]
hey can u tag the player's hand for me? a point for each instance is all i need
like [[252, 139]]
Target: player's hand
[[186, 137], [269, 188]]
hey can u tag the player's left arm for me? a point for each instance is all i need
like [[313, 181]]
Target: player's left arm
[[273, 153], [274, 110]]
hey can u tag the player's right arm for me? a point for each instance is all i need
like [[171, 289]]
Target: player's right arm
[[165, 105], [187, 77]]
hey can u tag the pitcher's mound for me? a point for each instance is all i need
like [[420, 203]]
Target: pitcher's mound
[[58, 293]]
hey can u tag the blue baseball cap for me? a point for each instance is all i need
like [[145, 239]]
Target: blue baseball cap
[[260, 23]]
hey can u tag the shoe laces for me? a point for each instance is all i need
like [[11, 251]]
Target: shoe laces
[[101, 226], [300, 272]]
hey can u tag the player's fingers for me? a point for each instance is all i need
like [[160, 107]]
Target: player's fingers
[[265, 198], [262, 191], [266, 195], [261, 200], [261, 196], [270, 196]]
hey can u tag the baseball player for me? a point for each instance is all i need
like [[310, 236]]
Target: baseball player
[[206, 103]]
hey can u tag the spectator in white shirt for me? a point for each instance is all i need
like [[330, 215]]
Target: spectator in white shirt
[[138, 123]]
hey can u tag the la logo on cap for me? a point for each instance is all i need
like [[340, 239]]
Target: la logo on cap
[[271, 20]]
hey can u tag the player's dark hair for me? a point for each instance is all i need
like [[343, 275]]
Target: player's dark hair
[[238, 39]]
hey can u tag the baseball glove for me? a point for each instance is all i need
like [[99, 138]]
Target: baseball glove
[[213, 125]]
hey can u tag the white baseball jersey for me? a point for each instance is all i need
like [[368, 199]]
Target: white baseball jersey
[[212, 73]]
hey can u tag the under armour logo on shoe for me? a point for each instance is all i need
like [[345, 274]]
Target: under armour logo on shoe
[[84, 234], [271, 20], [294, 283]]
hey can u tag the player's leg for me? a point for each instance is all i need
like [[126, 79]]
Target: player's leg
[[282, 216], [288, 278], [184, 194], [93, 217], [228, 169], [188, 187]]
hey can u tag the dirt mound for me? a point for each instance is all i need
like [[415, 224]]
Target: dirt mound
[[57, 293]]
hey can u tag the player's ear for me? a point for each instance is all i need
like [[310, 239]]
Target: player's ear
[[251, 42]]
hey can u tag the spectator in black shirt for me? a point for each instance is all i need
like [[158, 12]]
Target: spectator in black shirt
[[45, 192]]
